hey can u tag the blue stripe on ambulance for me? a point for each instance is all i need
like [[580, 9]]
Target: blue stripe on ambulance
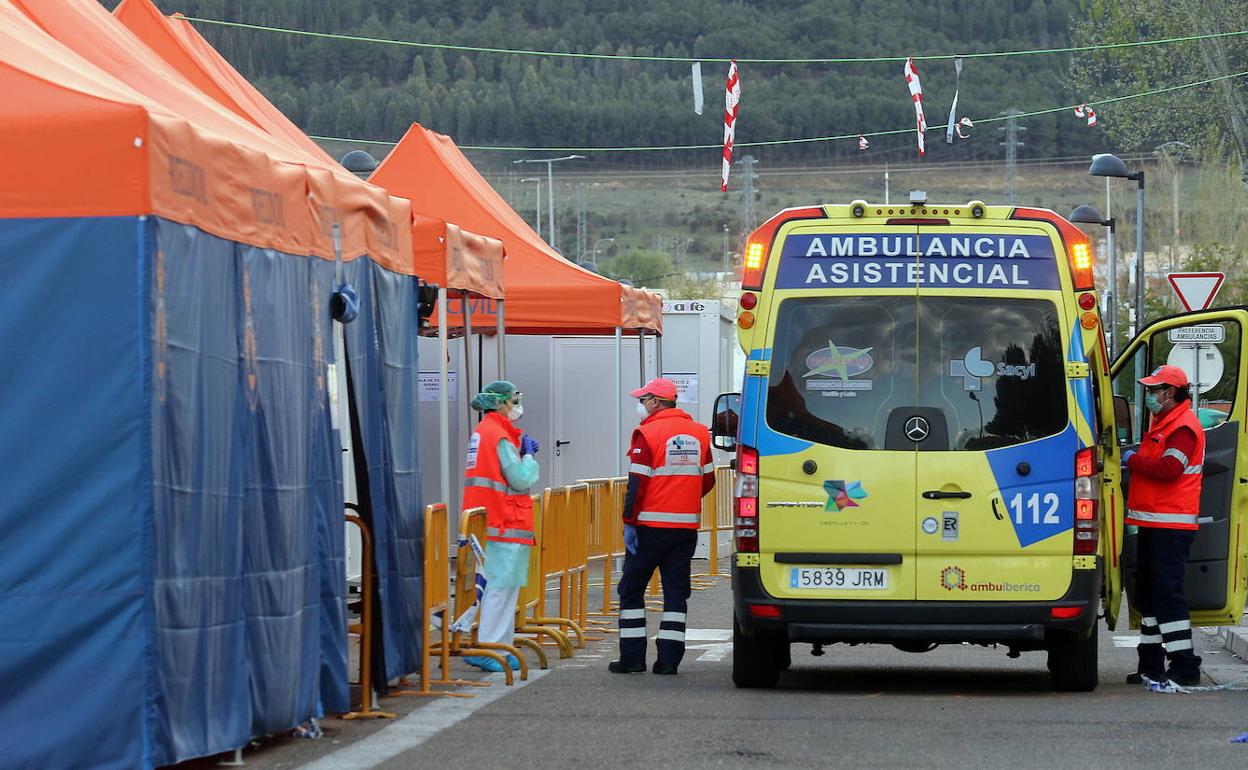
[[753, 398], [1041, 503], [1081, 387]]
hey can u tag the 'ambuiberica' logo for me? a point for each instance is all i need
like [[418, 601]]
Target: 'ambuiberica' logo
[[953, 579]]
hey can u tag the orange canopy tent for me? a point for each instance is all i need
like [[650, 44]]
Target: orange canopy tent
[[546, 294], [442, 254], [195, 153]]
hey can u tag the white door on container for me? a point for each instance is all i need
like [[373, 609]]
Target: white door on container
[[583, 444]]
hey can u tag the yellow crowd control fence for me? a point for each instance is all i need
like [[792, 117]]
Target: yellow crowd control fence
[[530, 618], [365, 627], [716, 523]]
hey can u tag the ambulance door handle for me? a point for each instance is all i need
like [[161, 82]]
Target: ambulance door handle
[[936, 494]]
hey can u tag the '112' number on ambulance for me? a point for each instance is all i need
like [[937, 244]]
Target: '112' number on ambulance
[[1034, 503]]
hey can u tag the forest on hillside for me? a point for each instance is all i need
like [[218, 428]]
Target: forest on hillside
[[362, 90]]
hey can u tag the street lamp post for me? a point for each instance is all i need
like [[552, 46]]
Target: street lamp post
[[1108, 165], [594, 251], [550, 190], [537, 217], [1088, 215]]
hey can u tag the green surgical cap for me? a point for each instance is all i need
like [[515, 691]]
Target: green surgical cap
[[493, 396]]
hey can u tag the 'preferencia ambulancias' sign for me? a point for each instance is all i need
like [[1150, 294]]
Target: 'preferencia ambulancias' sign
[[939, 260]]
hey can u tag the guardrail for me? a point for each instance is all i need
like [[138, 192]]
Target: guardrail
[[364, 628]]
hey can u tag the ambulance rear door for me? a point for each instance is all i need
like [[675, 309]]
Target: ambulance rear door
[[836, 477], [997, 424], [1209, 347]]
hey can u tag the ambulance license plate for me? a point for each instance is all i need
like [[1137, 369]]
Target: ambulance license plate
[[839, 578]]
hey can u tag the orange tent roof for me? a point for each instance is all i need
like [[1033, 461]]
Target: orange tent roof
[[96, 123], [546, 294], [475, 263]]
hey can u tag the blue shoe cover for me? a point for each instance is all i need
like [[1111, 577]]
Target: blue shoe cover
[[483, 663], [511, 661]]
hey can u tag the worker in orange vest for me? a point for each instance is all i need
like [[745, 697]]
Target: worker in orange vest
[[670, 470], [1163, 500], [498, 473]]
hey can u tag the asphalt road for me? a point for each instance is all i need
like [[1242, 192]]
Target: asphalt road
[[860, 707]]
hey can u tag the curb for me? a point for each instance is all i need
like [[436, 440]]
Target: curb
[[1235, 639]]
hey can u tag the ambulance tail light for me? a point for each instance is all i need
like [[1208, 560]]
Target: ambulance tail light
[[758, 247], [745, 500], [1078, 252], [1087, 501]]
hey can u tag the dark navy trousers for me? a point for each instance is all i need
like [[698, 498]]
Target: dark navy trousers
[[669, 550], [1165, 624]]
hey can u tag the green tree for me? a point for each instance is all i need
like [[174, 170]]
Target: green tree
[[641, 267]]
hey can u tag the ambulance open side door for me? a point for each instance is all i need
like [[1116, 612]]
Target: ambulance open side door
[[1209, 347]]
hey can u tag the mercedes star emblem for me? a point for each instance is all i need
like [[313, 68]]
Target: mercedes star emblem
[[917, 429]]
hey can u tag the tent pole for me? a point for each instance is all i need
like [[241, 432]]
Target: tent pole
[[444, 404], [658, 355], [467, 367], [641, 357], [619, 400], [500, 337]]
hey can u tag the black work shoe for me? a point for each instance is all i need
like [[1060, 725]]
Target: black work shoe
[[1184, 680], [620, 667], [664, 668], [1138, 678]]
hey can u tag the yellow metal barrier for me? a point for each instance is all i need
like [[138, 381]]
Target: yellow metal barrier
[[606, 537], [559, 529], [472, 522], [435, 600], [365, 627], [716, 520], [574, 604], [532, 596]]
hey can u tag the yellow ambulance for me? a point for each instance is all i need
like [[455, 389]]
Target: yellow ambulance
[[927, 439]]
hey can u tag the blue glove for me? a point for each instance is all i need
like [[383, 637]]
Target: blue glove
[[529, 445], [630, 538], [1127, 455]]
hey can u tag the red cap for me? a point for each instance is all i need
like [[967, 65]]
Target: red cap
[[659, 388], [1165, 375]]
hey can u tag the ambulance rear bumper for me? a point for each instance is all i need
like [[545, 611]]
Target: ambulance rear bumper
[[1020, 623]]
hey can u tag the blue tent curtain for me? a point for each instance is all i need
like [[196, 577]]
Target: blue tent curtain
[[75, 512], [171, 517]]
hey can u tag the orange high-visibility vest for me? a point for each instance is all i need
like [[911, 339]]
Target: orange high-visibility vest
[[508, 514], [673, 495], [1168, 504]]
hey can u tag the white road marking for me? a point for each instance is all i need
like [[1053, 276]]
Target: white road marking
[[708, 634], [417, 727], [714, 652]]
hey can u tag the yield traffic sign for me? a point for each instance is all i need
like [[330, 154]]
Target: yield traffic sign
[[1196, 290]]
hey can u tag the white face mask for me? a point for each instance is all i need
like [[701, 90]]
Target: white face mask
[[642, 412], [517, 413]]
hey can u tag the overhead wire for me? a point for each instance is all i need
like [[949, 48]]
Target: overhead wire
[[721, 59], [812, 139]]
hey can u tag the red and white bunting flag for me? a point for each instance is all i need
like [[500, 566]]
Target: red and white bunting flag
[[961, 124], [1083, 111], [862, 142], [732, 106], [916, 95]]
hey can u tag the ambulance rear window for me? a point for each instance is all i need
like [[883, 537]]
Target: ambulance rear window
[[982, 372]]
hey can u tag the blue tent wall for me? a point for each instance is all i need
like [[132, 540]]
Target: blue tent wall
[[383, 373], [75, 643], [250, 613], [397, 335]]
